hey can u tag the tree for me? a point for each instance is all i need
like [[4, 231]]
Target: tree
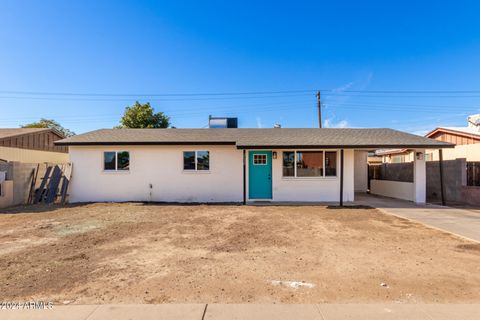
[[49, 123], [143, 116]]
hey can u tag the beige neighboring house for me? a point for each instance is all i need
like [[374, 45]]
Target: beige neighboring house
[[31, 145], [21, 149], [466, 140]]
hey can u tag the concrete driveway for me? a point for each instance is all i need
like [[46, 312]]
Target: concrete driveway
[[462, 222]]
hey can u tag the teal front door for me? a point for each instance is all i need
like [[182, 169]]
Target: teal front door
[[260, 174]]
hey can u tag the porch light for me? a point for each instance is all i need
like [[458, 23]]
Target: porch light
[[419, 155], [274, 154]]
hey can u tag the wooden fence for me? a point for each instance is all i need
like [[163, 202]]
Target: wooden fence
[[473, 174]]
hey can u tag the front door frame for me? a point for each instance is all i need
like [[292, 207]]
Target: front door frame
[[249, 160]]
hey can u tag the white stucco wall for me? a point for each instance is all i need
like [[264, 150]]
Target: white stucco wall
[[361, 171], [419, 177], [162, 166], [393, 189]]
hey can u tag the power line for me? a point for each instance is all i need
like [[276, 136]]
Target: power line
[[399, 96], [153, 94], [151, 99], [241, 93], [185, 113], [412, 91]]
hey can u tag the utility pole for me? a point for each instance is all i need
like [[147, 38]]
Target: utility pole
[[319, 109]]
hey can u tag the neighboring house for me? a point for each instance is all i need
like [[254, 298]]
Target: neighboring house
[[31, 145], [373, 158], [395, 155], [233, 165], [466, 141]]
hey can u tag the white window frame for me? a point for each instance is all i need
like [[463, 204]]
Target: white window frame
[[323, 176], [260, 164], [195, 170], [116, 161]]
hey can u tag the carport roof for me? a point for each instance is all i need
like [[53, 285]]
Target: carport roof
[[374, 138]]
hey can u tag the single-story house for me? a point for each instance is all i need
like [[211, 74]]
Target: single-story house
[[32, 145], [233, 165]]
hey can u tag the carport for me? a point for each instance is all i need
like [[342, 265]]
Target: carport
[[412, 189]]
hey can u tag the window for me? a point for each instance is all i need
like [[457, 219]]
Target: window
[[203, 159], [310, 163], [189, 160], [288, 164], [116, 161], [123, 160], [109, 160], [259, 159], [398, 159], [330, 163], [196, 160]]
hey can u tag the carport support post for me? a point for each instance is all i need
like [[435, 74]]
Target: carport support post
[[244, 177], [341, 177], [419, 177], [440, 166]]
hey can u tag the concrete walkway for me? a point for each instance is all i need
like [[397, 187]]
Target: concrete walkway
[[462, 222], [250, 312]]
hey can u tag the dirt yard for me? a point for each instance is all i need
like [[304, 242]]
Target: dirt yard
[[139, 253]]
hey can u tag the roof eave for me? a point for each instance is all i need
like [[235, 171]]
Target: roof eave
[[170, 143], [372, 146], [452, 131], [142, 143]]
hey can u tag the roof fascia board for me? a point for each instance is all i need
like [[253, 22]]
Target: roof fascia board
[[443, 146], [144, 143], [459, 133]]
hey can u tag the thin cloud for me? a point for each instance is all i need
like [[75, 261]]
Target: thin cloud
[[344, 87], [259, 123], [330, 123]]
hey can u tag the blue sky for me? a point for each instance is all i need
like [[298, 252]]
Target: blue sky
[[138, 48]]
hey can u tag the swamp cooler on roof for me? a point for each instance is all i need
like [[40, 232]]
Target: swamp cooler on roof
[[222, 122]]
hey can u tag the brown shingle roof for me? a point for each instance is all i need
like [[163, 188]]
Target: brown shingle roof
[[258, 138]]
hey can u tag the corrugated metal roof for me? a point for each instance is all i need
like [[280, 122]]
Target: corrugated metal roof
[[258, 138]]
